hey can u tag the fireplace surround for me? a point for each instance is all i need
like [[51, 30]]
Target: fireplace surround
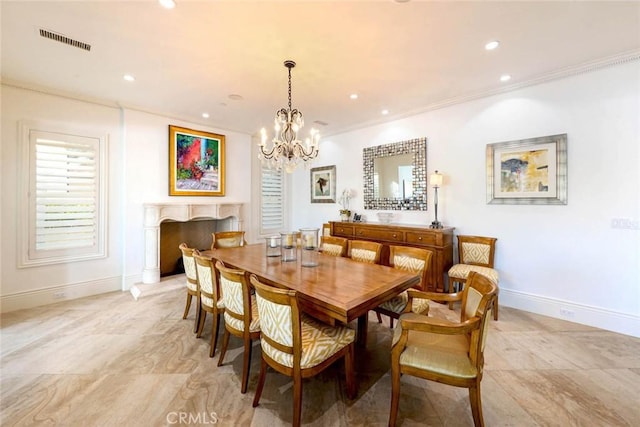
[[156, 213]]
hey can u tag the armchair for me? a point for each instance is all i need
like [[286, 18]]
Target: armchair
[[443, 351]]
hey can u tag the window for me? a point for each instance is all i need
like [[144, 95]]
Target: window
[[64, 197], [271, 201]]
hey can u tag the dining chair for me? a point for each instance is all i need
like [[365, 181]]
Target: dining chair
[[333, 245], [297, 345], [475, 253], [407, 258], [240, 315], [365, 251], [228, 239], [210, 301], [192, 282], [443, 351]]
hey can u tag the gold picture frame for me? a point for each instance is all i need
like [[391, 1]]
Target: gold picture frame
[[196, 162]]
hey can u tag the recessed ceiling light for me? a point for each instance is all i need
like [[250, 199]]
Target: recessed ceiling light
[[236, 97], [385, 112], [492, 45], [505, 78], [167, 4], [205, 115], [129, 77], [353, 96]]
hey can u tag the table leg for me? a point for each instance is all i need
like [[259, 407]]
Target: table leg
[[361, 337]]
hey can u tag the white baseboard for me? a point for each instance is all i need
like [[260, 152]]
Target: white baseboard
[[615, 321], [131, 280], [56, 294]]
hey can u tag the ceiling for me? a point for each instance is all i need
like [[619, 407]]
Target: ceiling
[[406, 57]]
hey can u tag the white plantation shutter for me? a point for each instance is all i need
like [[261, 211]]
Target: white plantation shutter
[[64, 198], [272, 201]]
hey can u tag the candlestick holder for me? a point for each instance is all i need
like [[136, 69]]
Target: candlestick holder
[[289, 247]]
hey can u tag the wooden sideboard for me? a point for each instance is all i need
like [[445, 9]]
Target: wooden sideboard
[[439, 241]]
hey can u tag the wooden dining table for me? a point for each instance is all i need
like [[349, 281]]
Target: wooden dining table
[[337, 289]]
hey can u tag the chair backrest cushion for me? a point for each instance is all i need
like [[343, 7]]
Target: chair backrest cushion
[[205, 280], [363, 255], [232, 295], [228, 239], [331, 249], [275, 321], [189, 262], [475, 253], [473, 302], [407, 263]]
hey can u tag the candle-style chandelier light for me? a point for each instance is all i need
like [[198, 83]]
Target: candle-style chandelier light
[[287, 150]]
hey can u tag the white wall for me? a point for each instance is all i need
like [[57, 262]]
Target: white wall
[[551, 259], [138, 165], [31, 286], [147, 177]]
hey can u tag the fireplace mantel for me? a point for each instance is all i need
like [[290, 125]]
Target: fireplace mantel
[[155, 213]]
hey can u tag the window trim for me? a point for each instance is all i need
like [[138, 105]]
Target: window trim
[[27, 255]]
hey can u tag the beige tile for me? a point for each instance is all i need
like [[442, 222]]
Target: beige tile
[[110, 360]]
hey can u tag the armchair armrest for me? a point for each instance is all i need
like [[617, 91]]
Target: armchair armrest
[[416, 322], [433, 296]]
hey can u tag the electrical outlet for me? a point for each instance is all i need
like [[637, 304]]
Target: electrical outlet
[[565, 312], [625, 224], [59, 295]]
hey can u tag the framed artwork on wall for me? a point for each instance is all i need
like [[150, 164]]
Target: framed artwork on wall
[[528, 171], [196, 162], [323, 184]]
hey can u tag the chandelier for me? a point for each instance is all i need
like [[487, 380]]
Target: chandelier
[[287, 150]]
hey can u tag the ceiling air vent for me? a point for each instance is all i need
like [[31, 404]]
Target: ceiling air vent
[[64, 39]]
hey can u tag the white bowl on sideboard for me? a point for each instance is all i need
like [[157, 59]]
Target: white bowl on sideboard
[[385, 217]]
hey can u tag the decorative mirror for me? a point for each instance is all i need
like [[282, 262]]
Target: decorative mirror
[[395, 176]]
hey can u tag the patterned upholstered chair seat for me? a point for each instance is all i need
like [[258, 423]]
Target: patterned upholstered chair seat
[[319, 342], [461, 271]]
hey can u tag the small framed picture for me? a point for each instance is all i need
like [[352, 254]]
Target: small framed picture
[[323, 184]]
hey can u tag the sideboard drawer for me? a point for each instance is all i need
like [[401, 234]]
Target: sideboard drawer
[[421, 238], [343, 230], [378, 234]]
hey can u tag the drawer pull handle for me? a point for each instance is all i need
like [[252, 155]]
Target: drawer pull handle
[[420, 238], [395, 235]]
